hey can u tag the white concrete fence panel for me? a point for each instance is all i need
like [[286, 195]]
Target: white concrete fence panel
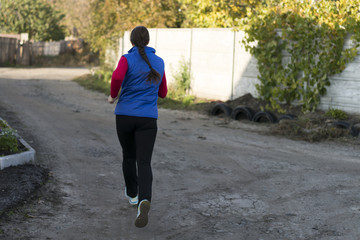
[[221, 69]]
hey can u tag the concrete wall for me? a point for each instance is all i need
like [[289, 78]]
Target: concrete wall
[[344, 92], [219, 63], [223, 70]]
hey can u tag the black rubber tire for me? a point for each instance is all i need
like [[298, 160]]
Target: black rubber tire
[[341, 124], [354, 131], [265, 115], [242, 112], [220, 108], [288, 117]]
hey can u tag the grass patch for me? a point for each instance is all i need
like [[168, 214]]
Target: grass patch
[[336, 114], [96, 82], [187, 102], [176, 100]]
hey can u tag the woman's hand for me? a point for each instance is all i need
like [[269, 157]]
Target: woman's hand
[[111, 100]]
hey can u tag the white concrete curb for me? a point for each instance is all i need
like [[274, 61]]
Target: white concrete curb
[[18, 158]]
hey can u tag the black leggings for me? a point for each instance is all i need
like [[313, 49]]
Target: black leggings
[[137, 138]]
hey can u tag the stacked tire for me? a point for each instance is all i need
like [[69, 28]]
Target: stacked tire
[[220, 109], [241, 113]]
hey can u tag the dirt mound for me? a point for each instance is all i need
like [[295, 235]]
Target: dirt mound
[[18, 183], [247, 100], [308, 130]]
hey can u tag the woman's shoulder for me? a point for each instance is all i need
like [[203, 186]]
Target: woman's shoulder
[[158, 59]]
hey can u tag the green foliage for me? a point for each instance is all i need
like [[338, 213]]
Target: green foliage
[[183, 77], [110, 18], [77, 16], [35, 17], [336, 114], [313, 34], [8, 139], [3, 124], [210, 13], [188, 100], [179, 91]]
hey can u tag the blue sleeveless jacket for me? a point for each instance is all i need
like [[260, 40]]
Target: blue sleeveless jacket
[[138, 97]]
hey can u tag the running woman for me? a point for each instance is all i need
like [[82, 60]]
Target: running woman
[[141, 76]]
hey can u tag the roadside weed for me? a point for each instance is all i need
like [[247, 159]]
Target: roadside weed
[[336, 114], [8, 139]]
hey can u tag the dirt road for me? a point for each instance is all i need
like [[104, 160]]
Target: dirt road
[[211, 180]]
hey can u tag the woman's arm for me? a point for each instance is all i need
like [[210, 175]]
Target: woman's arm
[[163, 87], [118, 77]]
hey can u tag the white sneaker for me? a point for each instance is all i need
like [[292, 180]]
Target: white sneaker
[[132, 201], [142, 216]]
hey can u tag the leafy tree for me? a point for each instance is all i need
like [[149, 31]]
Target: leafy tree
[[110, 18], [77, 17], [215, 13], [35, 17]]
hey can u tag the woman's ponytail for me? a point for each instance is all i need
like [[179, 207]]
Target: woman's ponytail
[[153, 75], [140, 38]]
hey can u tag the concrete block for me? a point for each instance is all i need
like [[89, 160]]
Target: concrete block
[[246, 85], [19, 158], [174, 51], [212, 63]]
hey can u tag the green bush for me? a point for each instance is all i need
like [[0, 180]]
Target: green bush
[[8, 139], [313, 33], [178, 93], [336, 114], [188, 100], [36, 17], [183, 78], [3, 124]]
